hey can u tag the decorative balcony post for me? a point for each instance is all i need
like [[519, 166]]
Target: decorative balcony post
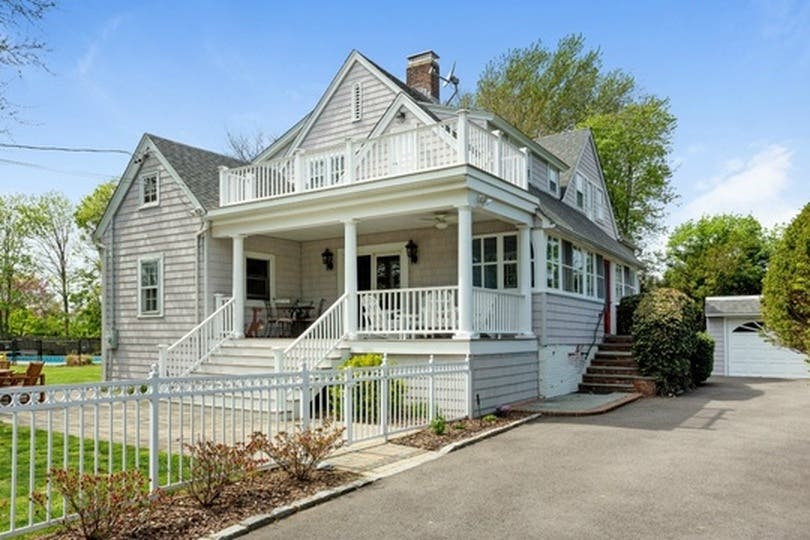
[[465, 274], [498, 153], [463, 136], [238, 285], [348, 163], [350, 276], [525, 276], [300, 176], [224, 195]]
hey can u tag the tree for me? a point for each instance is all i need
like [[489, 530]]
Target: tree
[[15, 259], [718, 255], [634, 144], [18, 50], [541, 92], [54, 234], [786, 289], [86, 298], [246, 147]]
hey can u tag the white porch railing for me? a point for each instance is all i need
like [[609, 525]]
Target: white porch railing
[[450, 142], [409, 312], [146, 424], [319, 340], [496, 312], [188, 352]]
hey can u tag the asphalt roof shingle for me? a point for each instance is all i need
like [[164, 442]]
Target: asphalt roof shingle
[[197, 168], [732, 305], [568, 146]]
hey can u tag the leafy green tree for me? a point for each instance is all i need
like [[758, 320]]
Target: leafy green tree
[[634, 144], [718, 255], [16, 263], [54, 234], [786, 289], [91, 209], [543, 91]]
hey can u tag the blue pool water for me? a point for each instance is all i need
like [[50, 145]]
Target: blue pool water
[[46, 359]]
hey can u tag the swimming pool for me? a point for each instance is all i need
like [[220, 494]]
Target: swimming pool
[[46, 358]]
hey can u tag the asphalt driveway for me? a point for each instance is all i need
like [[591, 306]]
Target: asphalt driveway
[[730, 460]]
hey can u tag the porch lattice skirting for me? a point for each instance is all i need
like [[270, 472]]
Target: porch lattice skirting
[[145, 424]]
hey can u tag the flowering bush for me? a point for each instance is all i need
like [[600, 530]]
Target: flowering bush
[[214, 466], [299, 453], [104, 504]]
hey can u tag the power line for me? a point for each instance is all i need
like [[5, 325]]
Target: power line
[[58, 171], [65, 149]]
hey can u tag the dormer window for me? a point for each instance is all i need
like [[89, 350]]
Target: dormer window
[[150, 190], [357, 102], [553, 179]]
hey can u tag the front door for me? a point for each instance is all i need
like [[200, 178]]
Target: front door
[[377, 272]]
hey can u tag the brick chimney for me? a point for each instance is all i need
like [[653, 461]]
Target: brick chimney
[[423, 74]]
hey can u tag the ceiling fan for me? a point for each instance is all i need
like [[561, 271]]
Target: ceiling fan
[[440, 220]]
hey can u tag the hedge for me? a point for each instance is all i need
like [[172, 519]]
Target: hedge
[[702, 362], [665, 328], [624, 314]]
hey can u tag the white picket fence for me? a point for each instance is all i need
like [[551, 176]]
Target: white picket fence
[[146, 424]]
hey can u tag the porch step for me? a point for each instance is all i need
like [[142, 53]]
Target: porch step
[[601, 353], [616, 338], [610, 378], [613, 370], [605, 388], [618, 346]]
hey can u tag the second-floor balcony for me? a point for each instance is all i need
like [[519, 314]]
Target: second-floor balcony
[[451, 142]]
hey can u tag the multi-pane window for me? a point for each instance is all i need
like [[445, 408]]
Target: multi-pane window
[[625, 281], [573, 268], [553, 179], [257, 279], [600, 277], [149, 190], [553, 263], [580, 183], [357, 102], [150, 278], [495, 261]]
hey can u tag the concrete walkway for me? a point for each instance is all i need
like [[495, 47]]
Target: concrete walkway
[[730, 460], [579, 404]]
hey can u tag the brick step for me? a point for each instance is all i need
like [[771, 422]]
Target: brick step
[[627, 347], [614, 362], [604, 388], [613, 370], [613, 354], [612, 338], [595, 378]]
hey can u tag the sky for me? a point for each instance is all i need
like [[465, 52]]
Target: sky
[[737, 74]]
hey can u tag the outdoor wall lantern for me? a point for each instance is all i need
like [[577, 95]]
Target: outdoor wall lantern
[[413, 251], [328, 259]]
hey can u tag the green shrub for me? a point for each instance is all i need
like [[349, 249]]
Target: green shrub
[[665, 326], [702, 358], [367, 394], [624, 314], [214, 466], [489, 418], [786, 287], [438, 425]]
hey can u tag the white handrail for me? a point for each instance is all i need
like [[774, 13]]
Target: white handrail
[[191, 350], [317, 341]]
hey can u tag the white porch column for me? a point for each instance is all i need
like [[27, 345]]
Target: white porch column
[[350, 276], [610, 292], [238, 285], [465, 275], [525, 275], [540, 259]]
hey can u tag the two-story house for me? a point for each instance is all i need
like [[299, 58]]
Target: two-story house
[[384, 221]]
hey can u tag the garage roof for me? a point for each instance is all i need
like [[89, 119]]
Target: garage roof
[[722, 306]]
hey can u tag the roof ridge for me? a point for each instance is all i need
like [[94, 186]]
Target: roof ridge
[[196, 148]]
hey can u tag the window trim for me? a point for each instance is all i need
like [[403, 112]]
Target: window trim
[[141, 179], [500, 261], [155, 257], [271, 269], [586, 278], [555, 182], [357, 101]]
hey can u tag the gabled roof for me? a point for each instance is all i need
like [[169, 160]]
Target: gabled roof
[[569, 146], [719, 306], [577, 224], [198, 169]]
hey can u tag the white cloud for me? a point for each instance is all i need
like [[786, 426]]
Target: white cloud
[[759, 185], [87, 61]]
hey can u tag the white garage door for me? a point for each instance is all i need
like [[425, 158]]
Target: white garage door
[[750, 355]]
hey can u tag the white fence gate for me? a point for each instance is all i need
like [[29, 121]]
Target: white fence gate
[[146, 424]]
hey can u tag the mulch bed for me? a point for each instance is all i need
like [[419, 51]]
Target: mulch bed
[[457, 431], [180, 517]]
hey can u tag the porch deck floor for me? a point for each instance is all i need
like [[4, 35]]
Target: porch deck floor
[[579, 404]]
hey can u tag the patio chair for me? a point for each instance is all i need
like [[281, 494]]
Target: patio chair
[[32, 376], [276, 324], [378, 320], [437, 313]]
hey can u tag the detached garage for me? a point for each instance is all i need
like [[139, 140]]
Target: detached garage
[[742, 349]]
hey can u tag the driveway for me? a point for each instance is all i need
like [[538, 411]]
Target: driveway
[[730, 460]]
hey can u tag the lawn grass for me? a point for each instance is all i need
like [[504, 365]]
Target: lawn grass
[[79, 452], [72, 374]]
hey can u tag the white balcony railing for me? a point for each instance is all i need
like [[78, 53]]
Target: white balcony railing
[[496, 312], [451, 142]]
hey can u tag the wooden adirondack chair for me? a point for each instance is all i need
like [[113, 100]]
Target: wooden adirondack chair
[[32, 376]]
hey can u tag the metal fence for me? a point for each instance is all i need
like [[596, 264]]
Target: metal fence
[[30, 347], [146, 424]]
